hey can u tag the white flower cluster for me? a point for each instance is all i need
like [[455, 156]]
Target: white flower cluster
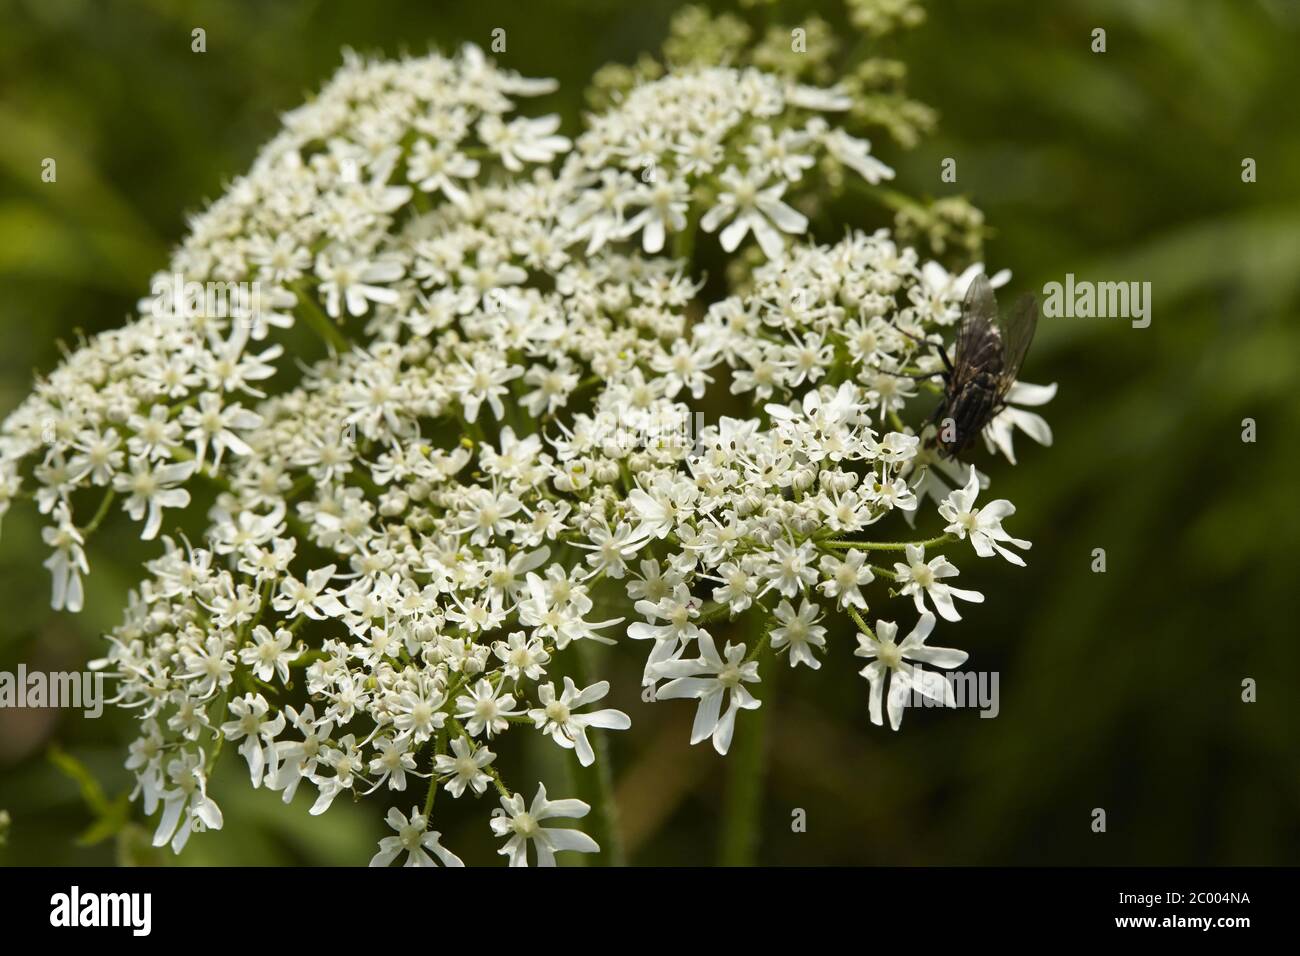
[[499, 459], [734, 139]]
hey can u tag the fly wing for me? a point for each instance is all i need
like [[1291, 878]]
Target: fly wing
[[1017, 332], [979, 341], [979, 310]]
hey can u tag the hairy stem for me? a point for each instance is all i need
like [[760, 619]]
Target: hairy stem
[[889, 545], [862, 625]]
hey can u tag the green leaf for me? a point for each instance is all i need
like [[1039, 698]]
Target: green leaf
[[110, 815]]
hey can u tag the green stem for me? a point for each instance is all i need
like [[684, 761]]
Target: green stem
[[711, 611], [216, 731], [889, 545], [746, 768], [857, 619], [684, 246], [890, 198], [439, 745], [319, 321], [100, 513], [684, 242], [597, 781]]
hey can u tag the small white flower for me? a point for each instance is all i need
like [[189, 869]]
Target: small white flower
[[311, 597], [556, 716], [356, 283], [709, 678], [485, 709], [270, 654], [68, 562], [998, 432], [187, 808], [656, 510], [346, 762], [523, 826], [893, 661], [465, 765], [211, 665], [522, 140], [98, 456], [739, 585], [665, 204], [610, 549], [414, 837], [297, 760], [392, 763], [856, 154], [484, 380], [800, 631], [418, 713], [919, 578], [214, 423], [151, 489], [257, 733], [786, 154], [791, 567], [983, 525], [752, 206], [522, 656], [437, 169], [844, 578]]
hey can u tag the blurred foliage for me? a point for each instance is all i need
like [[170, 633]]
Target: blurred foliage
[[1119, 690]]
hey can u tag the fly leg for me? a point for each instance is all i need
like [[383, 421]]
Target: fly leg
[[942, 352], [918, 377]]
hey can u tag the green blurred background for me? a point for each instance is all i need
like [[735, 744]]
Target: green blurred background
[[1119, 690]]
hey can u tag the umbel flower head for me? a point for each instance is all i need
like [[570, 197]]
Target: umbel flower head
[[499, 458]]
